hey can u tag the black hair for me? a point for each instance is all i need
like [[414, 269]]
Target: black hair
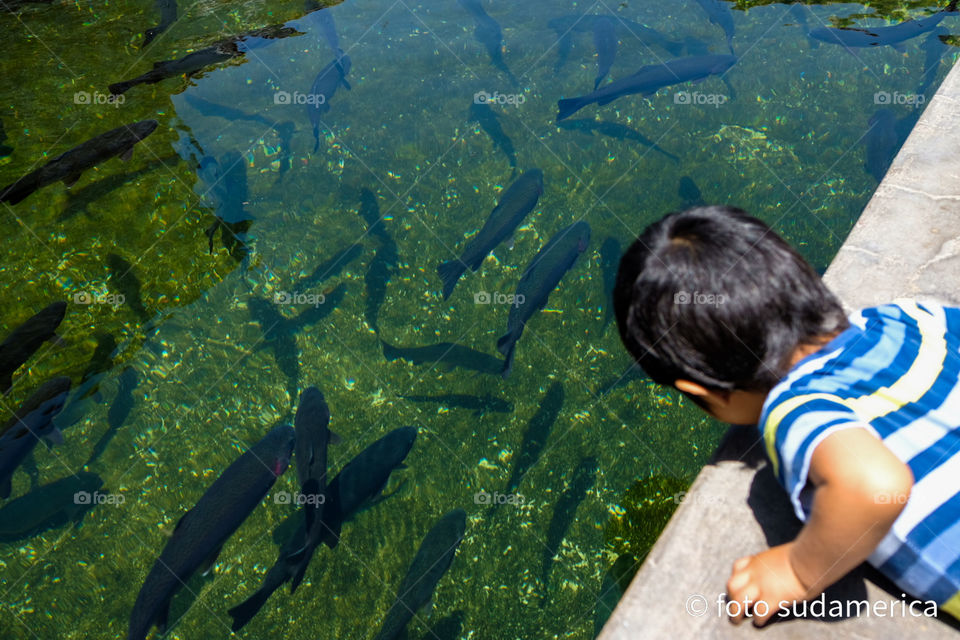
[[714, 296]]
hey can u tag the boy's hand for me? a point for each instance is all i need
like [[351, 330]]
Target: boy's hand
[[767, 577]]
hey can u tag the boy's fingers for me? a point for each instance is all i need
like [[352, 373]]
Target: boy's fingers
[[742, 563]]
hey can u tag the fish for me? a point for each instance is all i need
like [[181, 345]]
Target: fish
[[126, 282], [613, 130], [382, 264], [517, 201], [484, 115], [720, 15], [31, 422], [479, 404], [799, 12], [432, 560], [324, 87], [224, 185], [363, 479], [447, 353], [100, 363], [323, 19], [934, 49], [564, 512], [894, 35], [281, 572], [168, 15], [881, 143], [605, 41], [279, 332], [49, 506], [24, 341], [203, 530], [313, 435], [70, 165], [610, 253], [215, 110], [567, 24], [536, 436], [5, 150], [539, 279], [118, 411], [193, 64], [689, 193], [448, 628], [650, 79], [488, 33], [329, 268], [370, 212]]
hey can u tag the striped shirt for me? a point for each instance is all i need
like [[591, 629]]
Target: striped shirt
[[895, 373]]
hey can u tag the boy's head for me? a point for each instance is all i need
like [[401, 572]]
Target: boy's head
[[713, 296]]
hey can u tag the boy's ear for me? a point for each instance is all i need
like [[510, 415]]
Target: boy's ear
[[699, 391]]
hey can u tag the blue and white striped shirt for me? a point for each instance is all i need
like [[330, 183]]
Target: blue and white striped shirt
[[894, 372]]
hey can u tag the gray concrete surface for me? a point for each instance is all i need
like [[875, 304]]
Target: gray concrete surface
[[905, 244]]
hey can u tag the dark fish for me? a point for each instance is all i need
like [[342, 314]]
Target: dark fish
[[214, 110], [433, 558], [325, 86], [605, 41], [382, 264], [564, 25], [878, 36], [720, 15], [224, 185], [126, 282], [370, 212], [631, 373], [689, 193], [650, 79], [479, 404], [564, 513], [329, 268], [489, 34], [934, 49], [118, 411], [192, 64], [695, 47], [313, 435], [279, 332], [24, 341], [323, 19], [168, 15], [613, 130], [483, 114], [536, 435], [516, 202], [279, 574], [31, 422], [610, 253], [799, 11], [364, 478], [101, 361], [564, 46], [881, 142], [203, 530], [70, 165], [4, 149], [448, 628], [539, 279], [447, 353], [47, 507]]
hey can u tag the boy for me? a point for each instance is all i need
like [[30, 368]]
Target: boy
[[860, 416]]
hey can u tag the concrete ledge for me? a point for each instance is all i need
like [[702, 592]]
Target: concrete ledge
[[905, 244]]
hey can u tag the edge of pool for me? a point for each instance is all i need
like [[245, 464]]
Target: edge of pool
[[906, 243]]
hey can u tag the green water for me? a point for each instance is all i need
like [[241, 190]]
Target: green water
[[788, 146]]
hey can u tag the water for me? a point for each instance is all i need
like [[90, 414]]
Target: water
[[784, 140]]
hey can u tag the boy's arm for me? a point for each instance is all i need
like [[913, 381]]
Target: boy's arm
[[860, 490]]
